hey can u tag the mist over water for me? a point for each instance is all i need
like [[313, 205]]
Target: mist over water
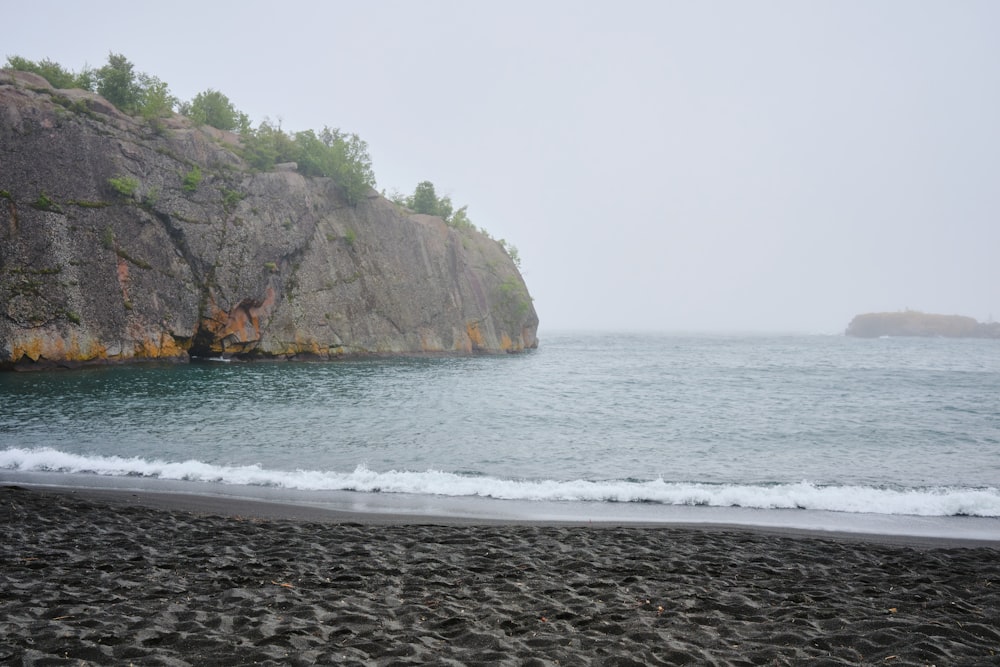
[[892, 426]]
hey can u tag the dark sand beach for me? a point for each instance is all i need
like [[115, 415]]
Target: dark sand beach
[[119, 578]]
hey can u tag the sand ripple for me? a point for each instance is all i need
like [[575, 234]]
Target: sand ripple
[[109, 584]]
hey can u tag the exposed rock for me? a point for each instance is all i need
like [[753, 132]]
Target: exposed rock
[[28, 80], [257, 265], [915, 323]]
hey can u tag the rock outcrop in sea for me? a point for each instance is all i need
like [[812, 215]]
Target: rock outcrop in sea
[[915, 323], [111, 252]]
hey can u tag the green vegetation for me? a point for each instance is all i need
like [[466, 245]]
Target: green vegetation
[[25, 287], [330, 153], [350, 237], [213, 108], [511, 251], [141, 263], [53, 72], [460, 219], [514, 298], [117, 83], [150, 198], [188, 219], [52, 271], [44, 203], [74, 106], [124, 185], [108, 238], [266, 146], [192, 179], [271, 266], [72, 317], [425, 200], [157, 102], [230, 198]]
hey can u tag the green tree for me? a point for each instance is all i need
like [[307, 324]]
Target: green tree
[[330, 153], [52, 72], [354, 164], [396, 197], [267, 145], [314, 157], [460, 219], [424, 199], [157, 102], [117, 83], [86, 79], [511, 251], [213, 108]]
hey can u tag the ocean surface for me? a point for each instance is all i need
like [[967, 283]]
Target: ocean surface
[[891, 435]]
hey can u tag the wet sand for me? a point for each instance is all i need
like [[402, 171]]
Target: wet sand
[[119, 578]]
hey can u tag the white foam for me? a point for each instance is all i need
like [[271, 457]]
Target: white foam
[[932, 501]]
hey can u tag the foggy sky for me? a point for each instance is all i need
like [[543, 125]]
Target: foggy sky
[[678, 166]]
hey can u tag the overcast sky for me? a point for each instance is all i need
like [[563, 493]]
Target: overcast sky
[[677, 166]]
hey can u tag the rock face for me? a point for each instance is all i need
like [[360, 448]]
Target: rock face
[[914, 323], [111, 250]]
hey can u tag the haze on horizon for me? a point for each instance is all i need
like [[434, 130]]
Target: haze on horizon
[[713, 166]]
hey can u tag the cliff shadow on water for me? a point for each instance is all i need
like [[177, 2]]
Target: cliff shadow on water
[[124, 240]]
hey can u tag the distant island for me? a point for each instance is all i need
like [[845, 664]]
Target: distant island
[[915, 323]]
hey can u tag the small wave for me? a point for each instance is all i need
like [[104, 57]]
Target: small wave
[[933, 501], [219, 359]]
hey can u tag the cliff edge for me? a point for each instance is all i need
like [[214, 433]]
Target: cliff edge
[[121, 241], [915, 323]]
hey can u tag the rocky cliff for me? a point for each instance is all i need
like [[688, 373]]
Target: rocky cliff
[[120, 241], [915, 323]]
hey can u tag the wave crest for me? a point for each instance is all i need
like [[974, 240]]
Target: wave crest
[[929, 501]]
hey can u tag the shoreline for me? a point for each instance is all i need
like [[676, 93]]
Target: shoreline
[[118, 577], [228, 507]]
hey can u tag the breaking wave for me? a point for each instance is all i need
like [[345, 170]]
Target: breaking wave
[[926, 501]]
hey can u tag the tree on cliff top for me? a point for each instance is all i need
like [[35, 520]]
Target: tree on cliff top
[[132, 92], [53, 72], [337, 155], [118, 84], [425, 200], [331, 153], [213, 108]]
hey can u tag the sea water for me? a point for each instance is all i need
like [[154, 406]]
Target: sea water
[[891, 435]]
